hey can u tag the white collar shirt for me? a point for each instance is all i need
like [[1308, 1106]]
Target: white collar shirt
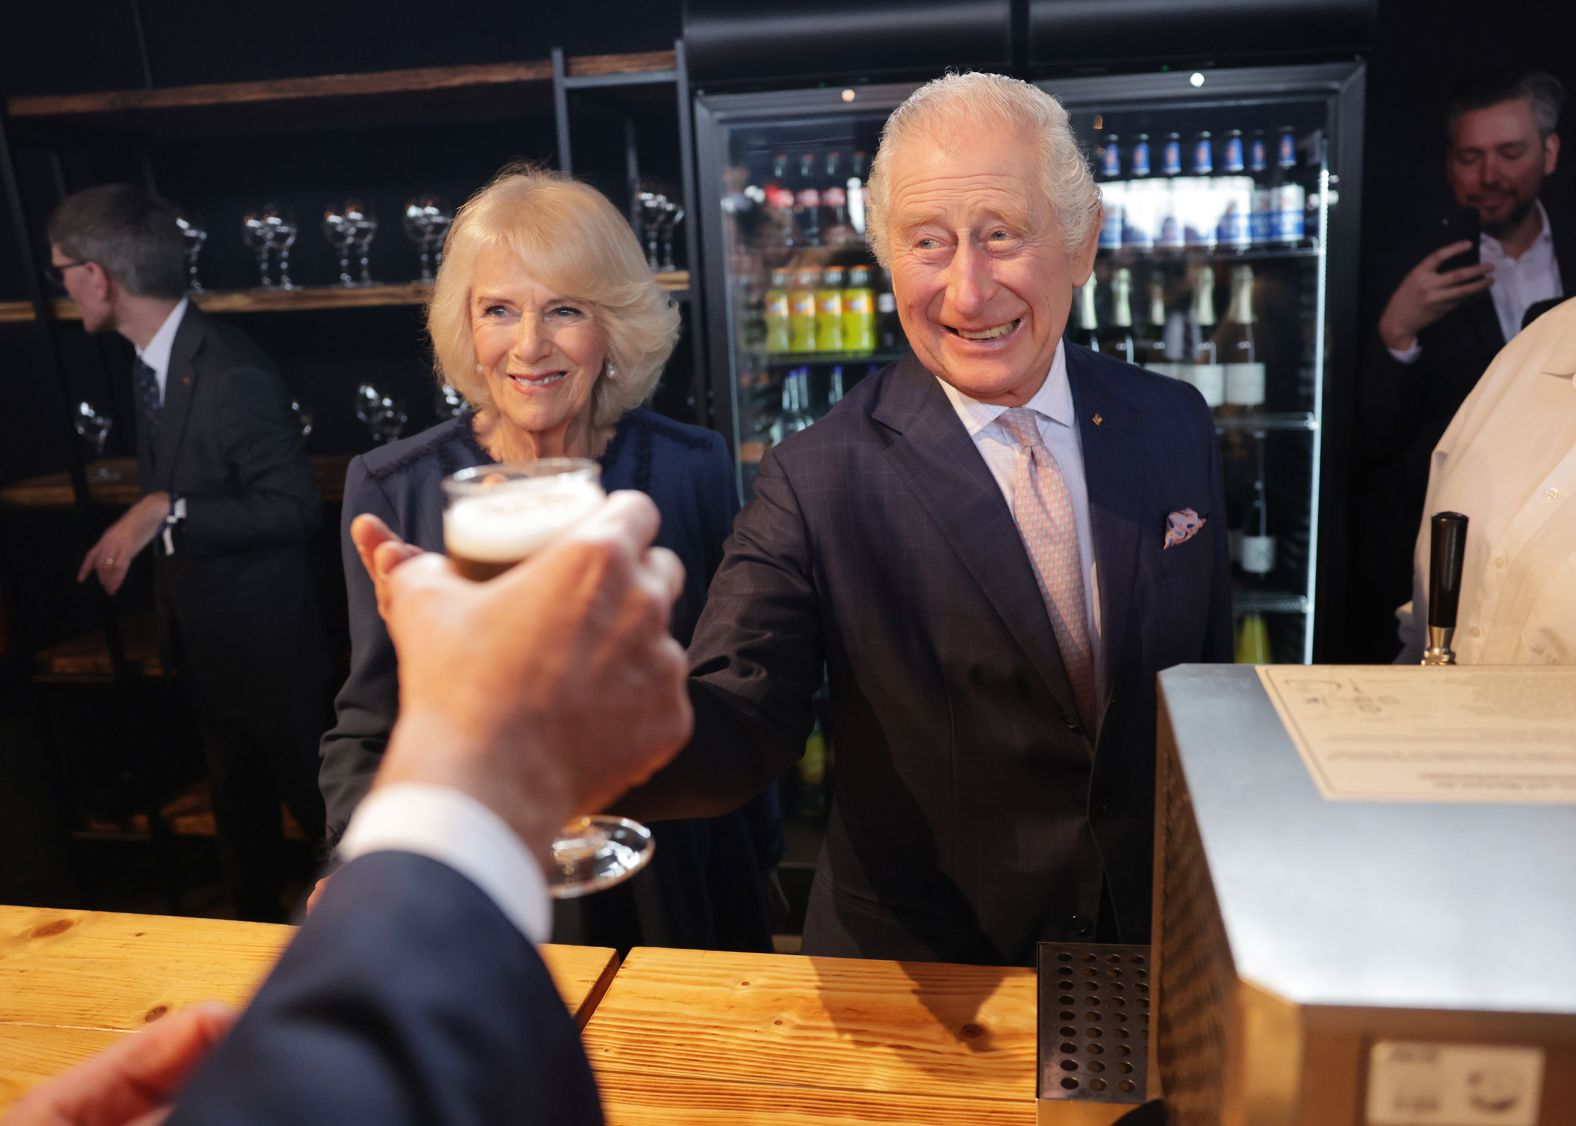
[[157, 354]]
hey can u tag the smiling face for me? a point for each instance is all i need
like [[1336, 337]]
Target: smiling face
[[980, 269], [541, 353], [1497, 163]]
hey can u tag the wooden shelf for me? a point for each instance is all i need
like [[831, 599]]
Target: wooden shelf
[[424, 93], [302, 298], [53, 490], [85, 658]]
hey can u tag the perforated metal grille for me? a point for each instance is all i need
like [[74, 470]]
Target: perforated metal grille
[[1196, 972], [1094, 1022]]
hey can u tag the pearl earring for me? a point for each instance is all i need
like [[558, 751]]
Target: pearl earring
[[610, 371]]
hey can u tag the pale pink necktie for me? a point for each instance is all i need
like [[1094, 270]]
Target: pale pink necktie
[[1044, 513]]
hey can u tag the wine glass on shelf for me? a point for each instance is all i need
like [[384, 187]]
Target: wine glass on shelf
[[672, 216], [282, 230], [302, 412], [195, 233], [450, 403], [426, 220], [363, 220], [254, 232], [95, 427], [494, 517], [649, 210], [381, 414], [341, 238]]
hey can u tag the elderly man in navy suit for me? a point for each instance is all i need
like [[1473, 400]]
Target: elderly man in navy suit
[[990, 548]]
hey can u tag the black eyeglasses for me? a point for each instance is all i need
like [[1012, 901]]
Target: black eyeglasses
[[56, 275]]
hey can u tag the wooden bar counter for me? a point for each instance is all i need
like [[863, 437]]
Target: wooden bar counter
[[72, 982]]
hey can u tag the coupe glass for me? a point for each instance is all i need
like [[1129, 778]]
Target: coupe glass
[[304, 416], [672, 216], [426, 221], [450, 402], [341, 237], [282, 230], [649, 210], [254, 232], [363, 220], [494, 517], [381, 414], [95, 427], [195, 234]]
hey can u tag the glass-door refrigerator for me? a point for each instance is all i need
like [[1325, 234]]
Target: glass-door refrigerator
[[1227, 259]]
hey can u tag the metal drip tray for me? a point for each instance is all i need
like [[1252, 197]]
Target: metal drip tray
[[1093, 1023]]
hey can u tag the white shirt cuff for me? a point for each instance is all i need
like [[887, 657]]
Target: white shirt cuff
[[457, 830], [1409, 355]]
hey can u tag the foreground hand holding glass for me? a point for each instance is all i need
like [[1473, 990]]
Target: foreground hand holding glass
[[494, 517]]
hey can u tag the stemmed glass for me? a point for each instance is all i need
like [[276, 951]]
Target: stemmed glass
[[427, 220], [363, 221], [494, 517], [450, 402], [341, 236], [254, 232], [304, 416], [195, 233], [649, 208], [672, 215], [381, 414], [95, 427], [282, 230]]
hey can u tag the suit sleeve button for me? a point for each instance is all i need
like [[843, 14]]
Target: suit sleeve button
[[1080, 926]]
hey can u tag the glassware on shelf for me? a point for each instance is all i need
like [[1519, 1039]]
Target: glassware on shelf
[[95, 427], [450, 403], [363, 221], [341, 236], [427, 219], [672, 215], [280, 224], [254, 232], [381, 414], [650, 208], [195, 233], [302, 412]]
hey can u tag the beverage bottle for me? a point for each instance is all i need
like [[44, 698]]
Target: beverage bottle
[[1139, 165], [1206, 371], [1142, 200], [1253, 640], [855, 185], [1085, 327], [1171, 155], [889, 329], [1235, 196], [1257, 551], [807, 201], [779, 205], [1112, 196], [1237, 347], [1232, 161], [1200, 209], [1288, 222], [1152, 349], [1203, 154], [795, 414], [1117, 338], [1169, 234], [1258, 153], [801, 311], [777, 312], [834, 200], [834, 386], [829, 311], [859, 313]]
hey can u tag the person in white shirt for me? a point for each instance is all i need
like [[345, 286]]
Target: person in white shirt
[[1508, 462], [1442, 327], [414, 992]]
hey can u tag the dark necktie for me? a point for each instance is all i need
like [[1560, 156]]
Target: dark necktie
[[148, 397]]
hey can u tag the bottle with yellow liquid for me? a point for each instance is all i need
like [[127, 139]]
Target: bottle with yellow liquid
[[777, 313], [1253, 640], [829, 311], [859, 312], [801, 311]]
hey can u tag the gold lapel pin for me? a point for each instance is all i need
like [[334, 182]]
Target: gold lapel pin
[[1098, 419]]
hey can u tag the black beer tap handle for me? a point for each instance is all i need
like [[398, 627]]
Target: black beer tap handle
[[1449, 530]]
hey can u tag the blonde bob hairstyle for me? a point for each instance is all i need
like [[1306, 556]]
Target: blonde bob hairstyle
[[967, 105], [572, 240]]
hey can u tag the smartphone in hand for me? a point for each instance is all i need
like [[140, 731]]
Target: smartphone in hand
[[1453, 224]]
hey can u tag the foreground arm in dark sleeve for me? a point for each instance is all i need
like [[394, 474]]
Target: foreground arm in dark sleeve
[[755, 661], [365, 708], [406, 997], [274, 499]]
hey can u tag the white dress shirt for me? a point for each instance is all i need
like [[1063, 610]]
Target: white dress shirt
[[157, 354], [1508, 461], [453, 829], [1519, 283], [1052, 405]]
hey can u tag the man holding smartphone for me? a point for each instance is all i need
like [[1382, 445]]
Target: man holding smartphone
[[1448, 318]]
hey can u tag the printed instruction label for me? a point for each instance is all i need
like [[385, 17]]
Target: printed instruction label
[[1421, 1083]]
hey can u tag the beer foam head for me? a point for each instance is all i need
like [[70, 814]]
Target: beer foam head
[[515, 519]]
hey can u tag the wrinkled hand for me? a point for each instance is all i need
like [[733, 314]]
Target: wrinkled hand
[[110, 558], [131, 1081], [1427, 294], [547, 691]]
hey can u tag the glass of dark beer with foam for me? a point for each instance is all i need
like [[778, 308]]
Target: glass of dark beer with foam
[[494, 517]]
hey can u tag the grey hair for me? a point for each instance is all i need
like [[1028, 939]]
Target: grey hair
[[1543, 90], [958, 105], [572, 239], [128, 231]]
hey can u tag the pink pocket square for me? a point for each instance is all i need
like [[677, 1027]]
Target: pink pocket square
[[1181, 526]]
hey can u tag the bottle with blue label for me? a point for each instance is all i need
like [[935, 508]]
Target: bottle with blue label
[[1258, 153], [1203, 154], [1231, 162], [1138, 166], [1171, 155], [1289, 218], [1112, 193]]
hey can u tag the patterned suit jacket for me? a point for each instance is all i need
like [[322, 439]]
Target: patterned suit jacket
[[973, 814]]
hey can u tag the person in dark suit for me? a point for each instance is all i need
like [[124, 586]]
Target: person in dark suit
[[1441, 328], [991, 547], [230, 505], [546, 317], [414, 992]]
